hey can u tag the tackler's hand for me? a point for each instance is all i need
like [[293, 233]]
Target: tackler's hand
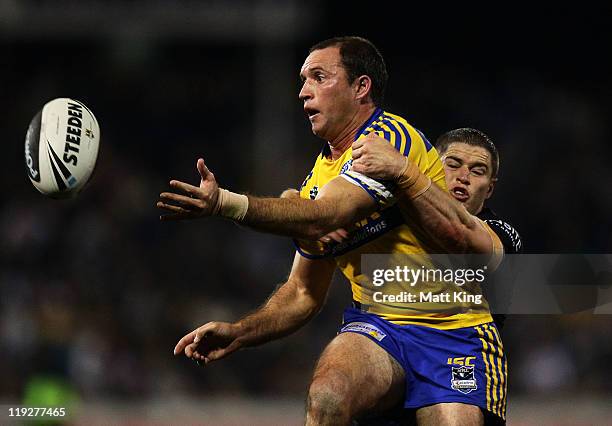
[[339, 235], [290, 193], [374, 157]]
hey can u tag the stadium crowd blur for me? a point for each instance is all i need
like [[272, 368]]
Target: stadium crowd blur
[[96, 291]]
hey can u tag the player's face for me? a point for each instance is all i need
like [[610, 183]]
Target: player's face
[[327, 95], [468, 171]]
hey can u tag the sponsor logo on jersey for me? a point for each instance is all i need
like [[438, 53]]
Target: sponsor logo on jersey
[[379, 223]]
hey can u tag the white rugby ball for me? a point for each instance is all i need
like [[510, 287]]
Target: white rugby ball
[[61, 147]]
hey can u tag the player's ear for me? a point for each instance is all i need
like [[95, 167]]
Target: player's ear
[[491, 187], [362, 86]]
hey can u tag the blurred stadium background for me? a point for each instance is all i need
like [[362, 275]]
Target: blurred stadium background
[[95, 292]]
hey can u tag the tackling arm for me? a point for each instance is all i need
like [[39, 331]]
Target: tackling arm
[[437, 212], [447, 221]]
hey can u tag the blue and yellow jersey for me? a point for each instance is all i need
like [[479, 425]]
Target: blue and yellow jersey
[[388, 231]]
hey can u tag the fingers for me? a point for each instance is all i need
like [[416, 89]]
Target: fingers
[[375, 138], [192, 204], [339, 235], [176, 212], [170, 207], [290, 193], [343, 233], [185, 187], [201, 331], [358, 167], [214, 355], [358, 143], [358, 146], [222, 353], [210, 342], [188, 208], [204, 172], [335, 236], [178, 198], [190, 341], [182, 344], [191, 351]]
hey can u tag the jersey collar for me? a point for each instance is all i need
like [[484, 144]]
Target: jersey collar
[[373, 117]]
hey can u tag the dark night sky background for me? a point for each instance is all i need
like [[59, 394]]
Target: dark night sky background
[[101, 272]]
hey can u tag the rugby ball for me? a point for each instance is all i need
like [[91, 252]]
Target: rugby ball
[[61, 148]]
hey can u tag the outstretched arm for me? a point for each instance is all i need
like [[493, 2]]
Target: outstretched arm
[[439, 214], [291, 306], [338, 204]]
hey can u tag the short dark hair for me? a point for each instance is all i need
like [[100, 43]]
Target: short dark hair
[[360, 57], [470, 137]]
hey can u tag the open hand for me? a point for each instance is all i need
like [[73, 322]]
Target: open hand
[[188, 201]]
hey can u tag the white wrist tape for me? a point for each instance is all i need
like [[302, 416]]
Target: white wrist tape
[[231, 205]]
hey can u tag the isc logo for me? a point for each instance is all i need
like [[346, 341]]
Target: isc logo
[[464, 360]]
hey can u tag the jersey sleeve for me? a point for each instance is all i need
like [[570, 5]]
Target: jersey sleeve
[[509, 236], [408, 141], [497, 253], [311, 249], [309, 191]]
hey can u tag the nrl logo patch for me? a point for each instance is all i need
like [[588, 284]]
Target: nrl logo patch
[[463, 379]]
